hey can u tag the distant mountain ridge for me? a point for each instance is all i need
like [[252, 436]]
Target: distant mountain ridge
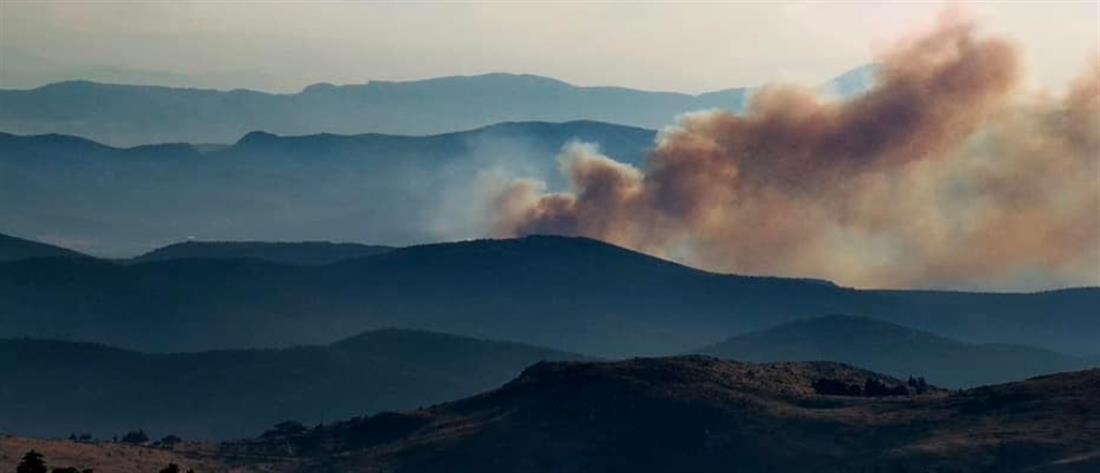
[[138, 114], [893, 349], [570, 294], [80, 387], [381, 189]]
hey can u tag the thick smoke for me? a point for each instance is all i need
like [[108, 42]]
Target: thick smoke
[[941, 176]]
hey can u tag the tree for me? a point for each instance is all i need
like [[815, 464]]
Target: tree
[[918, 384], [136, 437], [922, 385], [85, 437], [33, 462], [169, 441]]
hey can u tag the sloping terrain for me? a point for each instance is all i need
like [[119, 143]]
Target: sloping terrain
[[896, 350], [13, 249], [571, 294], [702, 414], [55, 388]]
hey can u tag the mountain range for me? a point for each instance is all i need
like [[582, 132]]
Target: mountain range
[[384, 189], [895, 350], [59, 387], [570, 294], [128, 115]]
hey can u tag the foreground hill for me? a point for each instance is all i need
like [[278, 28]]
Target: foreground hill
[[104, 457], [120, 202], [571, 294], [127, 115], [895, 350], [306, 252], [12, 249], [701, 414], [65, 387]]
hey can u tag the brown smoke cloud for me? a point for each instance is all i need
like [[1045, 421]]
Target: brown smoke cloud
[[941, 176]]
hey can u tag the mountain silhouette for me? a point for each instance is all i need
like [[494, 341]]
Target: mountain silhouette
[[66, 386], [895, 350], [127, 115], [571, 294], [385, 189]]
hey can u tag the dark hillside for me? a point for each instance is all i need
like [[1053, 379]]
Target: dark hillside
[[68, 387], [571, 294], [895, 350], [700, 414]]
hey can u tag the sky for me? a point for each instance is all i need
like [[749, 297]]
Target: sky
[[684, 47]]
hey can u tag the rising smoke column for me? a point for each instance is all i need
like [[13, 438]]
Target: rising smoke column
[[939, 176]]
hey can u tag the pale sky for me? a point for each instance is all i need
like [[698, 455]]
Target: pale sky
[[686, 47]]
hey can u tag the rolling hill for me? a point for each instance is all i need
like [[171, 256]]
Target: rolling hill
[[61, 387], [687, 414], [13, 249], [701, 414], [120, 202], [571, 294], [127, 115], [892, 349], [306, 252]]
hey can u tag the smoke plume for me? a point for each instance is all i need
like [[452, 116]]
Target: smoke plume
[[941, 176]]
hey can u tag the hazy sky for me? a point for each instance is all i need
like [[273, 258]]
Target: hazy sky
[[692, 47]]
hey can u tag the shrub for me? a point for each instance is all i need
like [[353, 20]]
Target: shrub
[[32, 462]]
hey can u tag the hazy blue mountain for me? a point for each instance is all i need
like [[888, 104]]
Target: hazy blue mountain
[[12, 248], [24, 69], [62, 387], [571, 294], [306, 252], [850, 84], [381, 189], [133, 114], [700, 414], [127, 115], [894, 350]]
